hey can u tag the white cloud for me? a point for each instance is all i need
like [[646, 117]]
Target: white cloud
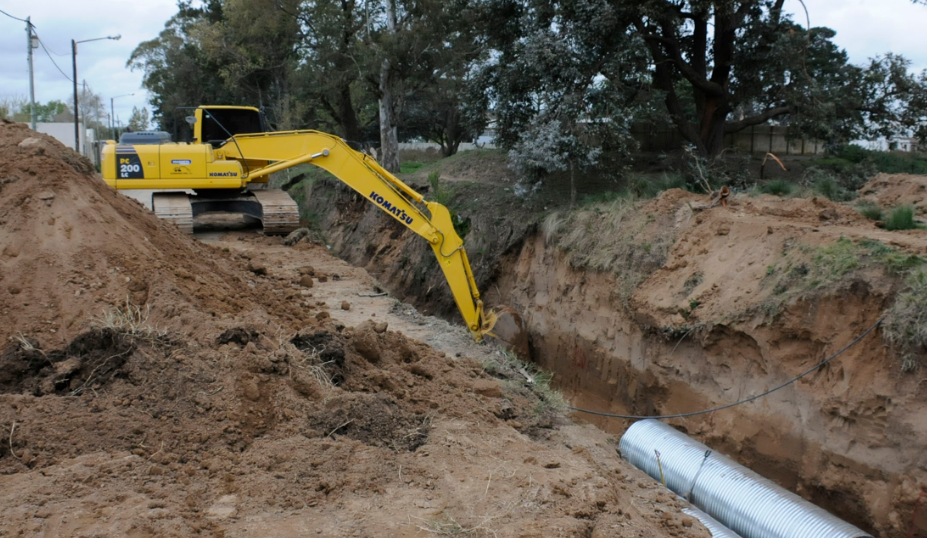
[[101, 63], [869, 28]]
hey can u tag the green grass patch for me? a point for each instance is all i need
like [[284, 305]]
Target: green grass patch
[[408, 167], [901, 218], [778, 187]]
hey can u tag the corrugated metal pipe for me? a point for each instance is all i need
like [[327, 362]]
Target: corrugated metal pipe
[[738, 498], [717, 530]]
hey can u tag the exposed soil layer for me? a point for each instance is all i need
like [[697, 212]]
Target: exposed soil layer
[[224, 399], [658, 308], [892, 190]]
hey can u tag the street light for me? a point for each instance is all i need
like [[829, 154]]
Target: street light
[[112, 113], [74, 66]]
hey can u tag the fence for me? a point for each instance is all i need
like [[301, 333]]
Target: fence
[[759, 139]]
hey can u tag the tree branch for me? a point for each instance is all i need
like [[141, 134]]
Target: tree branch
[[735, 126]]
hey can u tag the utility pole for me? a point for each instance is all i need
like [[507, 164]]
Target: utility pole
[[74, 66], [74, 79], [29, 48]]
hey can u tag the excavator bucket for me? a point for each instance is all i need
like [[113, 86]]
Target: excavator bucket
[[506, 325]]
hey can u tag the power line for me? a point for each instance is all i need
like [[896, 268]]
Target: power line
[[52, 59], [746, 400], [17, 18]]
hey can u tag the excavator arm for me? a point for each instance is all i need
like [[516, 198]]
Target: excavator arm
[[281, 150]]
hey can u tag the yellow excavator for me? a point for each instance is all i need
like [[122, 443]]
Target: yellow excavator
[[228, 163]]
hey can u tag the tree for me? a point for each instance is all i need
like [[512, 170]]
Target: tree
[[446, 102], [751, 60], [176, 70], [564, 85], [138, 121], [332, 67]]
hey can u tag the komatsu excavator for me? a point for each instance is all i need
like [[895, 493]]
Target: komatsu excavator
[[229, 161]]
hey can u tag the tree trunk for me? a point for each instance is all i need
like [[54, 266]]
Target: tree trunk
[[572, 185], [350, 126], [389, 138]]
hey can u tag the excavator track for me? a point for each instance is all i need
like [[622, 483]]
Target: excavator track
[[274, 209], [174, 207], [280, 212]]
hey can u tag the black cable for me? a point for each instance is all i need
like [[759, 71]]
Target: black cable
[[52, 59], [746, 400], [17, 18]]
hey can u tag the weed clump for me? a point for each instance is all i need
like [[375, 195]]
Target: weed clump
[[905, 325], [901, 218], [778, 187], [505, 366], [870, 210]]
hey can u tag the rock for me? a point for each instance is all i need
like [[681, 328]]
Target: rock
[[687, 522], [257, 268], [487, 387], [366, 341], [322, 316], [37, 145], [552, 465], [223, 508], [307, 270], [345, 305], [381, 327], [505, 411], [296, 236], [323, 279], [250, 390], [46, 195], [306, 281]]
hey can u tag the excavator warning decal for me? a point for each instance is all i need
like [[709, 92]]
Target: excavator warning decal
[[128, 165]]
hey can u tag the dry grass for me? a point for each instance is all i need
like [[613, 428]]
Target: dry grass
[[504, 364], [308, 360], [130, 320], [615, 236], [905, 325]]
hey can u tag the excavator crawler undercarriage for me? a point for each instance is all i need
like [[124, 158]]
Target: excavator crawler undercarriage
[[277, 213]]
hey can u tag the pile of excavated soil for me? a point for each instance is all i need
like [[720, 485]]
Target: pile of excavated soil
[[893, 190], [71, 248], [223, 405]]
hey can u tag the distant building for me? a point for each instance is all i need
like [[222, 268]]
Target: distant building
[[901, 143], [64, 133]]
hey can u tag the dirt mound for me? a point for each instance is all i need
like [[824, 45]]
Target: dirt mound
[[892, 190], [72, 248]]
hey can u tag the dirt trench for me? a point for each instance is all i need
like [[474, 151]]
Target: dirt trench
[[719, 315]]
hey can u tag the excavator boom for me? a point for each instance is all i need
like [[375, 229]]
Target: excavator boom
[[363, 174]]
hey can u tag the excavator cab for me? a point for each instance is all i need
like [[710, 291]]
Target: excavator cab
[[215, 125]]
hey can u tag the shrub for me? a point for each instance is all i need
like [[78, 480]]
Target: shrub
[[870, 210], [902, 218], [778, 187]]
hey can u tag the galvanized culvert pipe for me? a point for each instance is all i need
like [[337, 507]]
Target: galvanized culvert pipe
[[716, 529], [741, 500]]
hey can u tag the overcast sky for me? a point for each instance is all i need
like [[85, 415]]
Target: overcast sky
[[865, 28]]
